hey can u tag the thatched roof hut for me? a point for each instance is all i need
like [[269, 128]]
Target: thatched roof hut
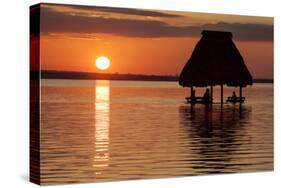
[[215, 61]]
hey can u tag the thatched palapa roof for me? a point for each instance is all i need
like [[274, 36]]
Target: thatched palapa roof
[[215, 61]]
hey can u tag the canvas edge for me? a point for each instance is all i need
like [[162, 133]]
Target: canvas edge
[[34, 95]]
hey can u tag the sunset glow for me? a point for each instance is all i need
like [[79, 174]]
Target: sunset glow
[[159, 47]]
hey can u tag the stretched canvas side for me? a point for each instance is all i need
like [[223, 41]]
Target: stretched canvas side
[[34, 130]]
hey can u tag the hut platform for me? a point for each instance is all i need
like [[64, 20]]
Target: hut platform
[[199, 100], [189, 101], [237, 100]]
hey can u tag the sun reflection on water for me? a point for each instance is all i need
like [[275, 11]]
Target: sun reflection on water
[[101, 156]]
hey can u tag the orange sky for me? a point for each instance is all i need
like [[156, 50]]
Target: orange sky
[[161, 45]]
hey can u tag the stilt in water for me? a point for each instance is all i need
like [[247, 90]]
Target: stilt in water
[[221, 95], [211, 105], [240, 103]]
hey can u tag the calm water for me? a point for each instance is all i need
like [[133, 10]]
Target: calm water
[[117, 130]]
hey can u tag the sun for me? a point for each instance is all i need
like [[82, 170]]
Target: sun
[[102, 62]]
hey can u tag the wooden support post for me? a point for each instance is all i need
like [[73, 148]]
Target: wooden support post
[[191, 94], [211, 94], [240, 103], [221, 94], [240, 92], [221, 115]]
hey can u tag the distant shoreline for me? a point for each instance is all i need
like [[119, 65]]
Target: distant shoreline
[[50, 74]]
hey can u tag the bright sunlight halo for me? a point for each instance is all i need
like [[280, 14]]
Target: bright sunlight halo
[[102, 62]]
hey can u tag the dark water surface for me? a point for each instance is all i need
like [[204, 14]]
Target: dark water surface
[[113, 130]]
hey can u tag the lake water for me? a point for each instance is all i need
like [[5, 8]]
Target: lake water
[[118, 130]]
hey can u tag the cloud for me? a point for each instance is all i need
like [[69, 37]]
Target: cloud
[[85, 36], [59, 22], [248, 31], [127, 11]]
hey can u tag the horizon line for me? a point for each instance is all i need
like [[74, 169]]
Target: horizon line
[[136, 74]]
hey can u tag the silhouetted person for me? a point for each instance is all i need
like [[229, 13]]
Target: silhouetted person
[[206, 96], [234, 97]]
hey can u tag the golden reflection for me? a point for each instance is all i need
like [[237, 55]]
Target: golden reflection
[[101, 124]]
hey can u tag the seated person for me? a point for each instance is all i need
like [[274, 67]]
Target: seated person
[[206, 97], [234, 97]]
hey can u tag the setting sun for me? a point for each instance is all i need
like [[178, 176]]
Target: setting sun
[[102, 62]]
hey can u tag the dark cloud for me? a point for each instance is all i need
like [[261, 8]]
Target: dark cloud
[[55, 22], [248, 31], [127, 11]]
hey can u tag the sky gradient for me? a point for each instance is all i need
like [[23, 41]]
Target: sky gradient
[[144, 41]]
